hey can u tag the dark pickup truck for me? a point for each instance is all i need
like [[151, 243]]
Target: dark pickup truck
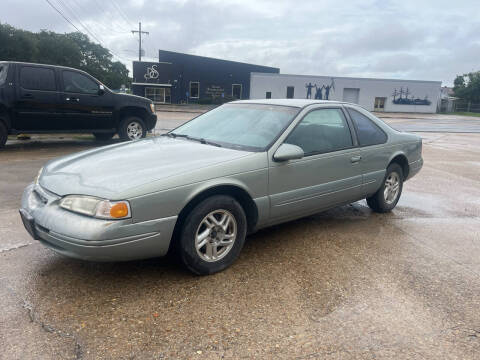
[[37, 98]]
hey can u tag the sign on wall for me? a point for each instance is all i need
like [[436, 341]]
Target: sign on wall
[[401, 97], [215, 90], [151, 73], [321, 92]]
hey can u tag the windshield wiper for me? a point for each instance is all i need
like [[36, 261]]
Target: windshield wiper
[[200, 140], [171, 134]]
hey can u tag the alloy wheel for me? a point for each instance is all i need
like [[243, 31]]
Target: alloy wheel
[[392, 188], [216, 235], [134, 130]]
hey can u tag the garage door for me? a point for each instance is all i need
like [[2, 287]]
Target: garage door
[[351, 95]]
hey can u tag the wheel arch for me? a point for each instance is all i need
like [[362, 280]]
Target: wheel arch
[[400, 159], [132, 111], [235, 190]]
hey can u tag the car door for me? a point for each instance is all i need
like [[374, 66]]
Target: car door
[[37, 104], [327, 175], [373, 149], [85, 105]]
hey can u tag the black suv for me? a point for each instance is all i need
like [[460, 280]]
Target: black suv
[[38, 98]]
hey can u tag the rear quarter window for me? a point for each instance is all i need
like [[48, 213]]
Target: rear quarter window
[[3, 73], [368, 132], [37, 78]]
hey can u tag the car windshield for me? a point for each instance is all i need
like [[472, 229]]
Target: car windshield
[[3, 73], [251, 127]]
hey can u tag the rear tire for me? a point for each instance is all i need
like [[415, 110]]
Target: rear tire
[[3, 134], [103, 136], [213, 235], [386, 198], [132, 128]]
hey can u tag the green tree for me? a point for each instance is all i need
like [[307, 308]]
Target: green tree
[[467, 86], [73, 50]]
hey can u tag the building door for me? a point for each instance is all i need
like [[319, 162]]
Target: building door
[[290, 92], [237, 91], [351, 95], [379, 104]]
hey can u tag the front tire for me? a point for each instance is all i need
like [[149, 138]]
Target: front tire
[[3, 134], [213, 235], [386, 198], [132, 128]]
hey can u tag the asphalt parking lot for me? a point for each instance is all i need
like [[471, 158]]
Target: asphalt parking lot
[[343, 284]]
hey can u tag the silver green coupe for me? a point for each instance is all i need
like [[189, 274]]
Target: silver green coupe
[[201, 188]]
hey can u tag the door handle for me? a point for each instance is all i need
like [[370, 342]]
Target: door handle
[[27, 96], [72, 99], [355, 159]]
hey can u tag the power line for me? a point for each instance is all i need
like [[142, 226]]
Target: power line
[[120, 11], [72, 14], [71, 23], [67, 20], [98, 23]]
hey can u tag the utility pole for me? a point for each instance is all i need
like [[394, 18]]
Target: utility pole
[[140, 32]]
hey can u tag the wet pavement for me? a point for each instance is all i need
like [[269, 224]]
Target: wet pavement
[[343, 284]]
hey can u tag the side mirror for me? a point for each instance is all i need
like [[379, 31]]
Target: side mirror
[[287, 152], [101, 90]]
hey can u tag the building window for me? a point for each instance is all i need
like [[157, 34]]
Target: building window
[[158, 95], [290, 92], [379, 104], [237, 91], [268, 95], [194, 89]]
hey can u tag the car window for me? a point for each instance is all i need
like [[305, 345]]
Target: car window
[[78, 83], [247, 126], [368, 133], [321, 131], [3, 73], [37, 78]]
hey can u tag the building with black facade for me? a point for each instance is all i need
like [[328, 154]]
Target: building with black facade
[[183, 78]]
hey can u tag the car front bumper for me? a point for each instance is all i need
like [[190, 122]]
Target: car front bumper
[[88, 238], [151, 121]]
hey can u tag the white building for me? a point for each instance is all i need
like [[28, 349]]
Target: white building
[[372, 94]]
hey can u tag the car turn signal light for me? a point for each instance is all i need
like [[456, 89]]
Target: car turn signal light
[[119, 210]]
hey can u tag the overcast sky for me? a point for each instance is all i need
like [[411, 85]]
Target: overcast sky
[[426, 40]]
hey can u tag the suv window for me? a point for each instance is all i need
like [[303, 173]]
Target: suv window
[[78, 83], [322, 131], [367, 131], [3, 73], [37, 78]]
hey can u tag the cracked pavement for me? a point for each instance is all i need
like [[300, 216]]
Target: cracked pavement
[[343, 284]]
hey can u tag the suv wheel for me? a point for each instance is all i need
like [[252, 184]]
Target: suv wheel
[[213, 235], [103, 136], [132, 128], [3, 134], [386, 198]]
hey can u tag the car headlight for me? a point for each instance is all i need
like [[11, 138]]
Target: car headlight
[[152, 107], [95, 207], [37, 178]]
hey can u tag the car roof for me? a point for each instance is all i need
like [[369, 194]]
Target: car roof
[[300, 103], [39, 64]]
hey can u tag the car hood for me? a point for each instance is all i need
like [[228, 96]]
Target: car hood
[[109, 171]]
